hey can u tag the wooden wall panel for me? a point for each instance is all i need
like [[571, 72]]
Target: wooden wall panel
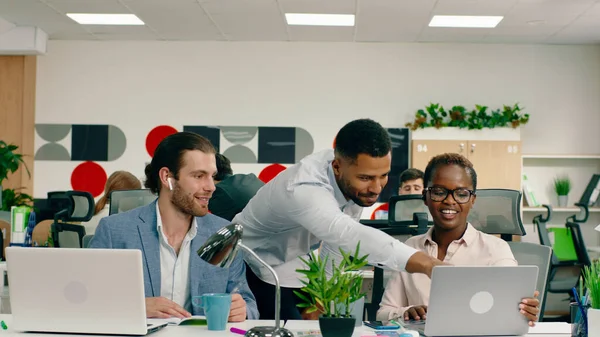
[[17, 113]]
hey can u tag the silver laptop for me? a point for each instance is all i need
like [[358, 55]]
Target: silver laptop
[[477, 301], [73, 290]]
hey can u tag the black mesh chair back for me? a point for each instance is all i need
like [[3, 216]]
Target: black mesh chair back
[[402, 207], [73, 206], [498, 211]]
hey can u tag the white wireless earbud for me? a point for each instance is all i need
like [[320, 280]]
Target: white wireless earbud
[[170, 184]]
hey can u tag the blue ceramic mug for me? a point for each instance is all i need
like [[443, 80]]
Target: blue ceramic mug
[[216, 309]]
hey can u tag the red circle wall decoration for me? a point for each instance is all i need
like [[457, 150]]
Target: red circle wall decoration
[[270, 172], [89, 177], [156, 135]]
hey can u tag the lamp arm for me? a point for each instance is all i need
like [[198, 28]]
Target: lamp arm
[[277, 287]]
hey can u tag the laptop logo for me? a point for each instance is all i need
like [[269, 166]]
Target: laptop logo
[[75, 292], [481, 302]]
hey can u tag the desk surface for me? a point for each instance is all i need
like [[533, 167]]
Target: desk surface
[[193, 331]]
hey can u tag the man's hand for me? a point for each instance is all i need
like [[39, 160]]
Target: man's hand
[[529, 307], [237, 312], [422, 263], [160, 307], [417, 313]]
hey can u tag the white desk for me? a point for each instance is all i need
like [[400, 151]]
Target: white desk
[[195, 331]]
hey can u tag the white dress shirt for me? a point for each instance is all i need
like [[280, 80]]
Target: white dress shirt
[[475, 248], [174, 269], [301, 206]]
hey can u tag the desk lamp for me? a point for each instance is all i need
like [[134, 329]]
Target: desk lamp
[[220, 249]]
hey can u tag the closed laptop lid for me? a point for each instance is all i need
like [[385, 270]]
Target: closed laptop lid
[[77, 290], [479, 300]]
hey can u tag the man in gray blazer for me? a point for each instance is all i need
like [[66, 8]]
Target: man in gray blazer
[[170, 230]]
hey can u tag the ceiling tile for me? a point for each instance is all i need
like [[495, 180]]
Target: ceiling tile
[[430, 34], [319, 6], [256, 20], [111, 29], [88, 6], [524, 30], [315, 33], [70, 35], [391, 20], [172, 19], [554, 12], [473, 7], [35, 13]]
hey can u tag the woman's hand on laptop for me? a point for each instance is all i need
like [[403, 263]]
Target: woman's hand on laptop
[[161, 307], [417, 313], [237, 312], [529, 307]]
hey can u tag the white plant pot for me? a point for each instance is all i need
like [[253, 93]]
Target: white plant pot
[[563, 200], [593, 320]]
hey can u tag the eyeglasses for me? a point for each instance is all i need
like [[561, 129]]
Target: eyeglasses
[[460, 195]]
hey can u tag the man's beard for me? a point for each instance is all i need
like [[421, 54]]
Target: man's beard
[[185, 204], [349, 192]]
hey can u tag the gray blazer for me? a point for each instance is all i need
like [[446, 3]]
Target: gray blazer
[[137, 229]]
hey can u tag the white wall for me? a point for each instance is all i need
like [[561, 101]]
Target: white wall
[[317, 86]]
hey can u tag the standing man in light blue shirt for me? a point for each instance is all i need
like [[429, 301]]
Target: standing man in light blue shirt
[[319, 200]]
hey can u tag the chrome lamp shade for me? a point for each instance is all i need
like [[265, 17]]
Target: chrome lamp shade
[[220, 250]]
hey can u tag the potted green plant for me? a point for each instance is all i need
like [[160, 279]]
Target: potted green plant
[[458, 116], [10, 161], [333, 297], [562, 186], [591, 280]]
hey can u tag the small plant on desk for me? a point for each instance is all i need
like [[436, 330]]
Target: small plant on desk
[[333, 297], [562, 186]]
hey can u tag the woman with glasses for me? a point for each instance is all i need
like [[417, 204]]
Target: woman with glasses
[[451, 182]]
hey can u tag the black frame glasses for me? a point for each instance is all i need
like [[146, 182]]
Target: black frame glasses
[[460, 198]]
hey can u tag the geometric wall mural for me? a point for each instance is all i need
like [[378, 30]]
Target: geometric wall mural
[[86, 142], [258, 144], [83, 148]]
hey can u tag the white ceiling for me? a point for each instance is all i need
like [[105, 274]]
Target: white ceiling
[[526, 21]]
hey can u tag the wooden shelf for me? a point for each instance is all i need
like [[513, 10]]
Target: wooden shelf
[[560, 209], [561, 156]]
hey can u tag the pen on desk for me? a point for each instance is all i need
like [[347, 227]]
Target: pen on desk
[[238, 331], [581, 309]]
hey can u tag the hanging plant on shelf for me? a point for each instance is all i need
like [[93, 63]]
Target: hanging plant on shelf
[[437, 116]]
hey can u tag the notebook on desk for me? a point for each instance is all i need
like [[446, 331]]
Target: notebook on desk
[[477, 301], [74, 290]]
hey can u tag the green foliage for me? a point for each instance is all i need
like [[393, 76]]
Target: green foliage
[[9, 163], [332, 297], [479, 118], [9, 160], [591, 277], [10, 197], [562, 186]]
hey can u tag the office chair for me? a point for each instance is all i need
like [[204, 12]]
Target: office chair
[[404, 229], [497, 211], [573, 225], [125, 200], [86, 240], [527, 253], [402, 207], [563, 275], [75, 206]]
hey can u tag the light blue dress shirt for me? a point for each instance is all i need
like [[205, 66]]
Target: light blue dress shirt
[[301, 207]]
